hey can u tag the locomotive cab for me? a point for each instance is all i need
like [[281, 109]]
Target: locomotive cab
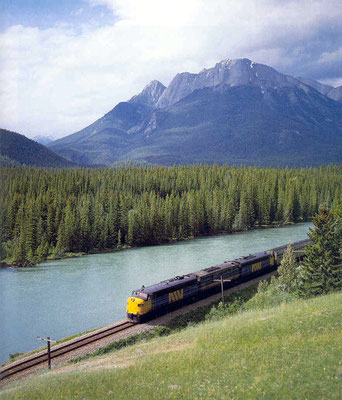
[[138, 305]]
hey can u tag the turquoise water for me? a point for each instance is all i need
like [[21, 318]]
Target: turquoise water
[[64, 297]]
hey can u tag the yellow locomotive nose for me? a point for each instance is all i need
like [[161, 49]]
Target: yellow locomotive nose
[[136, 306]]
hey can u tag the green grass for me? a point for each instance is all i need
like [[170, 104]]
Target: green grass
[[292, 351], [125, 342]]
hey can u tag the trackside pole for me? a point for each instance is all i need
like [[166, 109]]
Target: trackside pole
[[221, 280], [48, 340], [49, 352]]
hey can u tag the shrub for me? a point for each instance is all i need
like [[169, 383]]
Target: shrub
[[268, 297]]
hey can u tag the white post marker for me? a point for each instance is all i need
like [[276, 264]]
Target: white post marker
[[221, 280], [48, 340]]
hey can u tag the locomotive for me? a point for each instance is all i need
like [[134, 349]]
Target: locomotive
[[172, 293]]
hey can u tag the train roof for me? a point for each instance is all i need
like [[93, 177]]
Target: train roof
[[238, 262], [216, 270], [169, 283], [182, 280], [295, 245]]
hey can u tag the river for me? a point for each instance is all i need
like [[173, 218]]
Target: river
[[65, 297]]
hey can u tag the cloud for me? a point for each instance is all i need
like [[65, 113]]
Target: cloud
[[77, 12], [58, 80]]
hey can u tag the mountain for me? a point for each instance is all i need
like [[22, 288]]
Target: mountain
[[43, 139], [336, 94], [329, 91], [238, 112], [104, 141], [17, 150], [150, 94], [227, 72]]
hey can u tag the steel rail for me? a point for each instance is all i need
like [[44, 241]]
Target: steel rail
[[62, 349]]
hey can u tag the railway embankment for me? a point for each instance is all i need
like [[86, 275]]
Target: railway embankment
[[289, 351]]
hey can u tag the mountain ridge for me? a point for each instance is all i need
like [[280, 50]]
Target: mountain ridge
[[231, 72], [18, 150], [334, 93], [249, 102]]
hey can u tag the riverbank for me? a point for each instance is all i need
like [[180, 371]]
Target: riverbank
[[63, 256], [61, 298], [287, 351]]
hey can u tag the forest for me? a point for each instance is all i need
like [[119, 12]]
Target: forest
[[47, 213]]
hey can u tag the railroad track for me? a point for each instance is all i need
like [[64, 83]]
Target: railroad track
[[58, 350], [63, 348]]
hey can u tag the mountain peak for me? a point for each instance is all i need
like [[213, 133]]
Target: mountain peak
[[150, 95], [241, 71], [154, 84]]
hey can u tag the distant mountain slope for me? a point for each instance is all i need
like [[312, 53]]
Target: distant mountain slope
[[244, 125], [43, 139], [329, 91], [16, 149], [237, 112], [104, 141], [336, 94]]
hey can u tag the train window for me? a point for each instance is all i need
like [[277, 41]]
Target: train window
[[143, 296]]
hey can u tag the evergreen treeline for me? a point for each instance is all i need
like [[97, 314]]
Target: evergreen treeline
[[319, 273], [50, 212], [18, 150]]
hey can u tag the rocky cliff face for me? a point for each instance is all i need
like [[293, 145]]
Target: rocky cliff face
[[150, 94], [227, 72]]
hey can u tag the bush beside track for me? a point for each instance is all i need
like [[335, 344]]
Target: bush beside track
[[290, 351]]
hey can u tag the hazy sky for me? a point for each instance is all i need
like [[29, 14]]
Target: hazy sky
[[63, 63]]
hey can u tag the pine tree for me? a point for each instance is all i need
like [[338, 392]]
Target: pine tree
[[131, 227], [20, 254], [119, 238], [287, 270], [61, 244], [84, 234], [242, 218], [338, 218], [321, 271]]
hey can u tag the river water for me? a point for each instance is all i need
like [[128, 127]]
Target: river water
[[64, 297]]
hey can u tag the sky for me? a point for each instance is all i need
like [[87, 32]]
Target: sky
[[64, 64]]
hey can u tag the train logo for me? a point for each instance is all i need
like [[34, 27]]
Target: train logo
[[256, 266], [176, 295]]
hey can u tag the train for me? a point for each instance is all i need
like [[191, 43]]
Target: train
[[148, 302]]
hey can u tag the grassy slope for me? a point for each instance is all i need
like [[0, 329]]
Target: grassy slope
[[288, 352]]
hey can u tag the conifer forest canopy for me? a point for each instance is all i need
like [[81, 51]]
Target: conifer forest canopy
[[49, 212]]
